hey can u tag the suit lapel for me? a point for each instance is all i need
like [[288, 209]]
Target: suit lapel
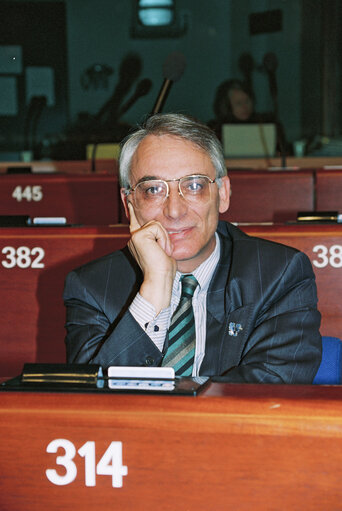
[[227, 321], [218, 302]]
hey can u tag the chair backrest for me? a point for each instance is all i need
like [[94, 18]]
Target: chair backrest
[[330, 370]]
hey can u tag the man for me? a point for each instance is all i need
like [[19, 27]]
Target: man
[[190, 291]]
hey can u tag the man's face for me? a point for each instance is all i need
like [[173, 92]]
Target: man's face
[[191, 227]]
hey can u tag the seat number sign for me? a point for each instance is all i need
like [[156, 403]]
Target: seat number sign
[[28, 193], [110, 463], [25, 257], [328, 256]]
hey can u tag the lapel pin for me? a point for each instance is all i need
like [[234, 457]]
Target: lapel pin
[[234, 329]]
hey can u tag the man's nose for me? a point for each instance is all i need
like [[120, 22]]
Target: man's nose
[[175, 205]]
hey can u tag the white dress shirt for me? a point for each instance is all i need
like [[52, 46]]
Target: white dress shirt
[[156, 325]]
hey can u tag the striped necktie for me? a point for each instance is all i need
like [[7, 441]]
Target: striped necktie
[[181, 335]]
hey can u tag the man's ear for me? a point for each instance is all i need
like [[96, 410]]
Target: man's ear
[[224, 194], [124, 201]]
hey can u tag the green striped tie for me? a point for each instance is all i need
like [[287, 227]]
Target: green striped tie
[[181, 335]]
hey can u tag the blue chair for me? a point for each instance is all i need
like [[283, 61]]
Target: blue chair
[[330, 370]]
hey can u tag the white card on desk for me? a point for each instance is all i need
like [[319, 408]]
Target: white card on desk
[[141, 378], [160, 373], [42, 220]]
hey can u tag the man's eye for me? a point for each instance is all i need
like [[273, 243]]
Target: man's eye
[[194, 186], [153, 190]]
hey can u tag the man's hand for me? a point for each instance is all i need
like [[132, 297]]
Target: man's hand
[[151, 246]]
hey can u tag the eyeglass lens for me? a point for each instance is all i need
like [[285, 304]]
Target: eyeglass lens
[[194, 189]]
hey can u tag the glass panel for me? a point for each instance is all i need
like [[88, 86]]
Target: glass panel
[[156, 17], [155, 3]]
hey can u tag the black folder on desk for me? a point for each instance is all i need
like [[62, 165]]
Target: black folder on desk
[[91, 378]]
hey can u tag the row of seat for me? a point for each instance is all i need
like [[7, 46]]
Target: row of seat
[[94, 199], [34, 262], [109, 165]]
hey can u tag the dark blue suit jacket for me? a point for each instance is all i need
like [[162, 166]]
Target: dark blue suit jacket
[[262, 318]]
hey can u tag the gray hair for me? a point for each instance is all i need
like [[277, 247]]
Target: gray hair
[[177, 125]]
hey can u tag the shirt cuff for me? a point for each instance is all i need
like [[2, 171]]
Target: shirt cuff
[[142, 311], [155, 325]]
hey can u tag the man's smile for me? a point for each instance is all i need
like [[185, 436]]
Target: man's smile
[[175, 232]]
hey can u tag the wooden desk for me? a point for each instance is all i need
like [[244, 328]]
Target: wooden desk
[[329, 190], [93, 198], [81, 199], [110, 164], [68, 166], [310, 162], [323, 245], [269, 196], [243, 447], [34, 264]]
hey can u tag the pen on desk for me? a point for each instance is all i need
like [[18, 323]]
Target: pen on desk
[[252, 223], [319, 216]]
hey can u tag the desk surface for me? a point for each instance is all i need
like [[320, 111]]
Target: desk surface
[[292, 162], [110, 165], [261, 196], [242, 447], [69, 166], [89, 199]]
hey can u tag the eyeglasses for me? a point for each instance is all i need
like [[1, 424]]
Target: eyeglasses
[[195, 189]]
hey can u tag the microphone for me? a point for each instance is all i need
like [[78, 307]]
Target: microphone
[[129, 71], [143, 87], [270, 64], [42, 102], [246, 65], [173, 68], [35, 109]]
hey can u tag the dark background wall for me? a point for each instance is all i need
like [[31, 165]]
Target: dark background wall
[[215, 33], [206, 46]]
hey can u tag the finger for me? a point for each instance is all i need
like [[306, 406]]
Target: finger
[[168, 247], [154, 232], [133, 251], [164, 240], [133, 222], [161, 236]]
